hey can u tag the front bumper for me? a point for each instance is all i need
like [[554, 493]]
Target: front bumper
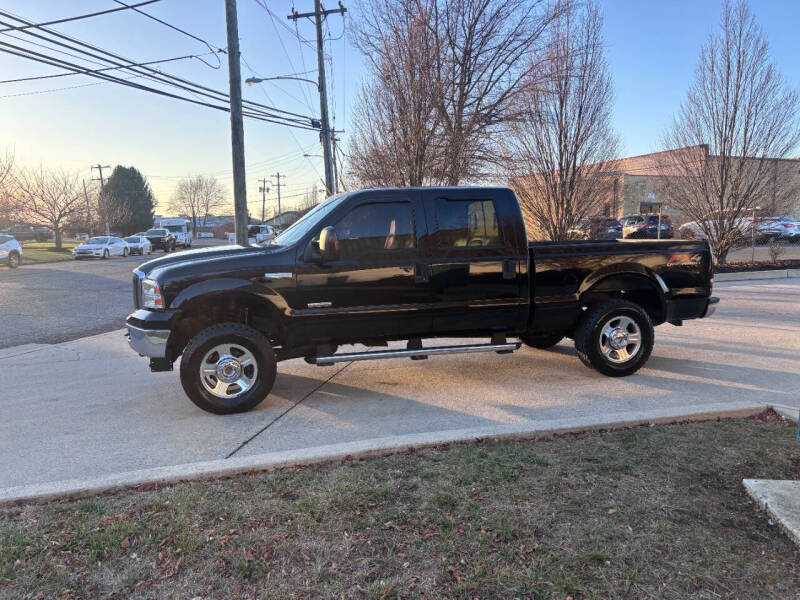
[[148, 342], [713, 301], [149, 330]]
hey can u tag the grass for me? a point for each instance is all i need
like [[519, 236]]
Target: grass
[[653, 512], [39, 252]]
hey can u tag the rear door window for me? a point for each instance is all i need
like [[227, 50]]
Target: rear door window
[[467, 223]]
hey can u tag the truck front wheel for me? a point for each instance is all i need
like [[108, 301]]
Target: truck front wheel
[[228, 368], [614, 337], [542, 341]]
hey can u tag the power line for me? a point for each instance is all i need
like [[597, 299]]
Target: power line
[[178, 29], [61, 89], [41, 58], [154, 74], [86, 16], [55, 75]]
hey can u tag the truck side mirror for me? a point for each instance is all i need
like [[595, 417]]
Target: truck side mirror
[[328, 244]]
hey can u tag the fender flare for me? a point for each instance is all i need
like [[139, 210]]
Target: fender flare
[[209, 286], [646, 278]]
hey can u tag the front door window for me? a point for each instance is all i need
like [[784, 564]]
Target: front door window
[[375, 228]]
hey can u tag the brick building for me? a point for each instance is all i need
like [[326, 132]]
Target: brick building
[[638, 182]]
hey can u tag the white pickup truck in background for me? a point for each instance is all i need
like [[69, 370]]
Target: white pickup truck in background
[[180, 229]]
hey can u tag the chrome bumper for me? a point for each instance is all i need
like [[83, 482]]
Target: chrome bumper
[[711, 307], [148, 342]]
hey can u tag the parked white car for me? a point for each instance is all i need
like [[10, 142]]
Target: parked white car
[[138, 244], [10, 250], [104, 246]]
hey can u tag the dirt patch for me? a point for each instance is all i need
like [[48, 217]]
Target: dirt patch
[[645, 512]]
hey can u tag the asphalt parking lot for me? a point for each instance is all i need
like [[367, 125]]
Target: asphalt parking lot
[[90, 407], [55, 302]]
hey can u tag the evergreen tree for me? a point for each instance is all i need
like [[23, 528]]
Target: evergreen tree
[[130, 196]]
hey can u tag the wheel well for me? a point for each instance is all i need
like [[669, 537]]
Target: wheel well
[[211, 309], [637, 288]]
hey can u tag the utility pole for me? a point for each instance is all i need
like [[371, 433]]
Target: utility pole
[[88, 210], [278, 188], [325, 130], [104, 201], [264, 190], [237, 126], [334, 141]]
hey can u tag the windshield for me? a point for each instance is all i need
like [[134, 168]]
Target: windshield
[[156, 232], [176, 228], [307, 222], [97, 240], [132, 240]]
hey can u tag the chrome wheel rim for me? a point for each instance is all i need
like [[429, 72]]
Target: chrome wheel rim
[[13, 260], [228, 370], [620, 339]]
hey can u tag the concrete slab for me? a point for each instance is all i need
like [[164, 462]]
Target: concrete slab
[[371, 447], [90, 408], [781, 500]]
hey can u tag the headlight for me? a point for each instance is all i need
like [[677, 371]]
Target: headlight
[[151, 294]]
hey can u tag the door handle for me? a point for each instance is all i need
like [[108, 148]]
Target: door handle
[[509, 269], [422, 273]]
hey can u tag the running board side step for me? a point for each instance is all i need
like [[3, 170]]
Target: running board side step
[[420, 352]]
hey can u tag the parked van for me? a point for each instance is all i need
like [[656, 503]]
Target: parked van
[[181, 229]]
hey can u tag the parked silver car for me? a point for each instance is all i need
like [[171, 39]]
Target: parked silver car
[[779, 228], [10, 250], [138, 244]]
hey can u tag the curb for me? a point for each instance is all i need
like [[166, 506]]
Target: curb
[[784, 493], [754, 275], [366, 448]]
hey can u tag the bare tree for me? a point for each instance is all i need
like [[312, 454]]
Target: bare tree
[[6, 187], [396, 119], [443, 75], [561, 142], [743, 116], [483, 51], [197, 197], [309, 201], [48, 198], [100, 210]]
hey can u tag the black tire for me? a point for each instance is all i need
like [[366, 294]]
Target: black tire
[[124, 253], [234, 333], [543, 341], [589, 336], [105, 254], [13, 259]]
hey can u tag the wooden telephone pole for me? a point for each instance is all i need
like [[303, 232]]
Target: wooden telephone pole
[[325, 133], [237, 126]]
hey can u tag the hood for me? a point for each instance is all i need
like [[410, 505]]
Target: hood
[[91, 246], [200, 254]]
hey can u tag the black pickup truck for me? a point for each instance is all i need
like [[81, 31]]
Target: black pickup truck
[[371, 266]]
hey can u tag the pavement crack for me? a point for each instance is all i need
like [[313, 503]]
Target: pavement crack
[[276, 419]]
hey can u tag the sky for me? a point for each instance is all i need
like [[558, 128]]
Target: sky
[[652, 49]]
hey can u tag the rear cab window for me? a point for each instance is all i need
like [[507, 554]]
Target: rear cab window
[[463, 223]]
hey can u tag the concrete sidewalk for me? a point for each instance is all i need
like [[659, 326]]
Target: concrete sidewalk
[[90, 409]]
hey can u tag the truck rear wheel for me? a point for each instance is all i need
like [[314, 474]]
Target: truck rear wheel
[[228, 368], [614, 337], [542, 341]]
